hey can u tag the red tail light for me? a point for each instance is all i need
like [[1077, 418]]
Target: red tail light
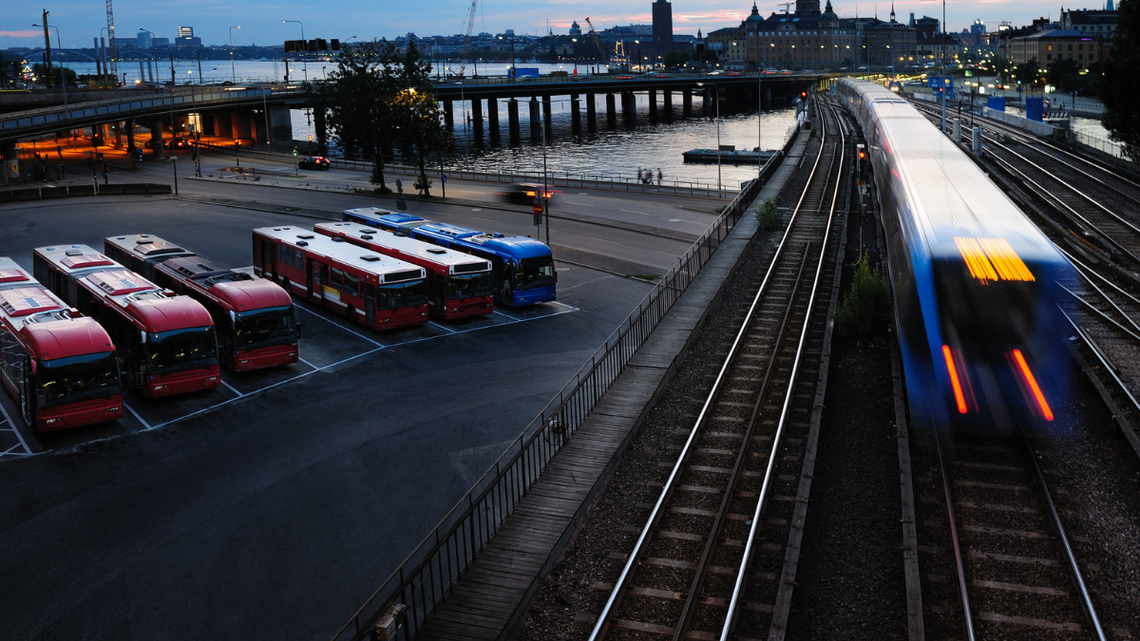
[[952, 368], [1031, 384]]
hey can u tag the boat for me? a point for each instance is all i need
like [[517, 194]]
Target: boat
[[728, 155]]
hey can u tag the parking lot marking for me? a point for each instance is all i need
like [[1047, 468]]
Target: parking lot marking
[[499, 311], [19, 436], [146, 425], [438, 326], [232, 389], [340, 326], [306, 362]]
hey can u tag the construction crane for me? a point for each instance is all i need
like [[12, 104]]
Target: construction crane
[[111, 55], [467, 42], [602, 57]]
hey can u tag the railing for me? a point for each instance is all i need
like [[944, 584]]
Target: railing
[[1100, 144], [427, 575]]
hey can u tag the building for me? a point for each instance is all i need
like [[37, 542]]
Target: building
[[1053, 45], [575, 30], [662, 28], [1099, 24], [186, 38]]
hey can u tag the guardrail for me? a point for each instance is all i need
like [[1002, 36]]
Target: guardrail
[[428, 573]]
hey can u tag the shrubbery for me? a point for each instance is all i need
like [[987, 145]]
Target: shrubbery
[[864, 313], [767, 216]]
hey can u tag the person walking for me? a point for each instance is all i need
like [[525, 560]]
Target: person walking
[[105, 174], [659, 176]]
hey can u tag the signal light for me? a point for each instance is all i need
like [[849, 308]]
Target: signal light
[[803, 95]]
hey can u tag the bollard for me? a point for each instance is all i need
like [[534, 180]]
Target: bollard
[[957, 130], [978, 141]]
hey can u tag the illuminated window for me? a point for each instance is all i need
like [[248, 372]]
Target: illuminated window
[[992, 259]]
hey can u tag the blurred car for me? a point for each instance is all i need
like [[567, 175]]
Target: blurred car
[[313, 162], [523, 193]]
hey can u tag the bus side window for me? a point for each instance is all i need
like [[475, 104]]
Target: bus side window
[[11, 356], [257, 253], [336, 278], [351, 284], [298, 260], [268, 254]]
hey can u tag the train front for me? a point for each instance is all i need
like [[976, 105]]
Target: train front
[[998, 352]]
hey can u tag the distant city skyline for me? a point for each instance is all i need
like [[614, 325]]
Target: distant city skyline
[[79, 21]]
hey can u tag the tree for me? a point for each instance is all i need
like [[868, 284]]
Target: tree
[[417, 131], [1117, 87], [1028, 73], [1066, 76], [58, 71], [356, 100]]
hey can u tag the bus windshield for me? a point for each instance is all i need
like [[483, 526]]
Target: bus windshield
[[469, 285], [535, 272], [397, 295], [265, 327], [77, 378], [182, 349]]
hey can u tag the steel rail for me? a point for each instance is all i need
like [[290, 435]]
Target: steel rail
[[602, 624], [963, 590], [762, 495]]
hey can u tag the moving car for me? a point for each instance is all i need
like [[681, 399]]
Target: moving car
[[313, 162]]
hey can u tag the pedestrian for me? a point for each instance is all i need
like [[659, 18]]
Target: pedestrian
[[659, 176], [639, 174], [105, 173]]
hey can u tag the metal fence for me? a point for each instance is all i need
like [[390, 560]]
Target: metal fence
[[1100, 144], [429, 572]]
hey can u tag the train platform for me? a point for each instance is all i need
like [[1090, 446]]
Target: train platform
[[494, 592]]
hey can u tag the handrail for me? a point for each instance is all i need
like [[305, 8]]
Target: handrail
[[427, 574]]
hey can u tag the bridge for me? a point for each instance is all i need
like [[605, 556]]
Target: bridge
[[260, 113]]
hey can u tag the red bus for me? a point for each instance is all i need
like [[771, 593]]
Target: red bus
[[254, 318], [165, 343], [458, 284], [58, 365], [366, 287]]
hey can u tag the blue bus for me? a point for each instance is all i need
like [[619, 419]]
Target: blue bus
[[522, 267]]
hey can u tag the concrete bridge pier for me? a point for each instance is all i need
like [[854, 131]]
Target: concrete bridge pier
[[667, 99], [706, 102], [477, 118], [242, 126], [11, 160], [493, 119], [158, 151], [653, 106], [118, 127], [591, 112], [546, 117], [513, 118], [575, 114], [611, 111], [534, 119], [449, 114], [629, 109], [281, 127], [129, 127], [687, 103]]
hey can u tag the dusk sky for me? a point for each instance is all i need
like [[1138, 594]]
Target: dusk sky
[[79, 21]]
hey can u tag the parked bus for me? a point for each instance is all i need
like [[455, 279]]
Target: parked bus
[[141, 252], [458, 284], [253, 317], [165, 342], [59, 365], [366, 287], [522, 269]]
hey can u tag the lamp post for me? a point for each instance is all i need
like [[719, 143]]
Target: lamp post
[[575, 41], [716, 98], [304, 62], [154, 50], [512, 41], [62, 75], [233, 74]]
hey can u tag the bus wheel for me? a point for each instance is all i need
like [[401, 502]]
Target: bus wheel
[[285, 285], [352, 318]]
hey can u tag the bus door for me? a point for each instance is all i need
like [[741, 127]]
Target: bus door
[[27, 392], [369, 304], [313, 278]]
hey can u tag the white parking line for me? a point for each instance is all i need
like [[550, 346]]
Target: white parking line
[[438, 326], [232, 389], [306, 362], [499, 311], [630, 211], [340, 326], [15, 429], [145, 424]]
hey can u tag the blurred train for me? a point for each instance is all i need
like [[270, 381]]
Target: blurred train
[[976, 284]]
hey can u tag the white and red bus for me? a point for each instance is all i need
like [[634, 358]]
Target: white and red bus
[[253, 317], [366, 287], [165, 342], [459, 284], [59, 365], [141, 252]]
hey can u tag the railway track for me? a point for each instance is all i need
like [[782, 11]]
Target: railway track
[[1017, 577], [710, 560]]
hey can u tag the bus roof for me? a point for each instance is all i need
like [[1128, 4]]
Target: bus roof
[[385, 214], [76, 258], [155, 309], [518, 247], [150, 247], [385, 268], [47, 325], [236, 290], [416, 250]]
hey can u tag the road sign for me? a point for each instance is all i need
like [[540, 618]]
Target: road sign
[[538, 209]]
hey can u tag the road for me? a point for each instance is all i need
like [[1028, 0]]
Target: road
[[271, 508]]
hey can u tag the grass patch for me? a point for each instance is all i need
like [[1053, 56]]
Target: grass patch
[[864, 312], [648, 277]]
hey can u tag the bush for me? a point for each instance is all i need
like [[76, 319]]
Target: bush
[[767, 216], [864, 313]]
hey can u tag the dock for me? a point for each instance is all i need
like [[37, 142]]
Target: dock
[[728, 155]]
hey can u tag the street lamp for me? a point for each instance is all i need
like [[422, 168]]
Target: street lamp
[[512, 57], [716, 97], [304, 62], [62, 75], [575, 41], [233, 74]]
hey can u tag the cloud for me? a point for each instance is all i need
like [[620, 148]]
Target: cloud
[[29, 33]]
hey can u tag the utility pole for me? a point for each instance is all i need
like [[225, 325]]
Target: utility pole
[[47, 50]]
